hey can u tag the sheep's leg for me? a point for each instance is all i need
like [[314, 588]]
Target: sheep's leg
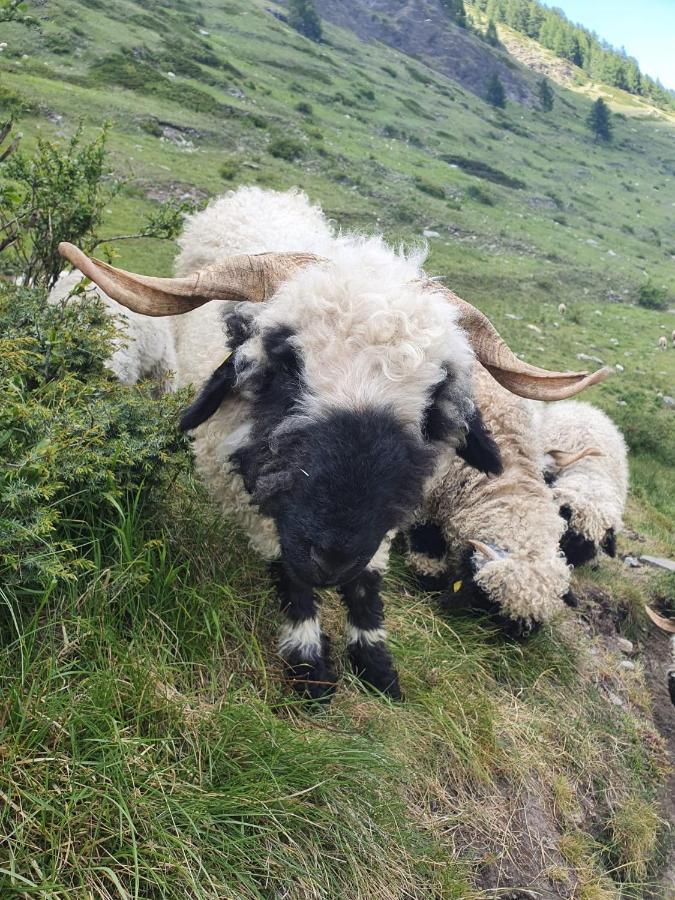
[[428, 556], [366, 641], [302, 644]]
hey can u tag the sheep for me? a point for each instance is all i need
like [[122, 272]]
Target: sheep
[[562, 309], [144, 348], [323, 413], [673, 337], [663, 342], [586, 465], [507, 544], [494, 541]]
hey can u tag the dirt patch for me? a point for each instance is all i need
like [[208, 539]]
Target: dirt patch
[[176, 192]]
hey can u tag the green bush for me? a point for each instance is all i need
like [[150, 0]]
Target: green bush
[[652, 297], [304, 108], [475, 192], [55, 195], [285, 147], [229, 169], [72, 440], [429, 187]]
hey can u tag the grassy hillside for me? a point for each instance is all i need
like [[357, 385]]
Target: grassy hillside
[[148, 746]]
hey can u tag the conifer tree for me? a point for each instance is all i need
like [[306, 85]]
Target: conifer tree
[[495, 93], [491, 33], [545, 94], [599, 121], [302, 16], [456, 11]]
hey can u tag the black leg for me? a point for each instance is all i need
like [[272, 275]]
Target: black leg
[[302, 645], [427, 554], [366, 641]]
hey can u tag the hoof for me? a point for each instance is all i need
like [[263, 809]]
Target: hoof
[[313, 679], [373, 666]]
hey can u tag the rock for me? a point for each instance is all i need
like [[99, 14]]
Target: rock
[[611, 253], [614, 698], [619, 367], [429, 232], [624, 645], [668, 401], [658, 562], [588, 358], [513, 316], [535, 328], [626, 664], [632, 562]]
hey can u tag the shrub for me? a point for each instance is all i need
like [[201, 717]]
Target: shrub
[[72, 440], [285, 147], [229, 169], [480, 195], [304, 108], [429, 187], [650, 296], [56, 195], [303, 17]]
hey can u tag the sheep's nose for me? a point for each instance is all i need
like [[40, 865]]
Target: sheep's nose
[[329, 563]]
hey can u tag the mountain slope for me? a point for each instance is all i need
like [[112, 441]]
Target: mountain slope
[[145, 738]]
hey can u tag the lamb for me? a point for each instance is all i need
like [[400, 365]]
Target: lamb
[[507, 544], [562, 309], [324, 412], [663, 342], [144, 348]]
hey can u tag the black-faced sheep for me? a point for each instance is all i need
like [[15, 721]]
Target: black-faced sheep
[[324, 412], [507, 543]]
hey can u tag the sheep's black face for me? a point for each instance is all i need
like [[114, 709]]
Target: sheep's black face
[[337, 484], [347, 481]]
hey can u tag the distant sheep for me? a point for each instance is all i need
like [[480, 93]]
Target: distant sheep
[[562, 309], [326, 412], [673, 337], [663, 342]]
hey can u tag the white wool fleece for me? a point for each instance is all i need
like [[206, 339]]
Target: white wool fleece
[[368, 331], [595, 487]]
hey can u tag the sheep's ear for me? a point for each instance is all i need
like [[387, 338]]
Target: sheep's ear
[[480, 449], [216, 389]]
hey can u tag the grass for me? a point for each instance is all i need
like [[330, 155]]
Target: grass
[[148, 746]]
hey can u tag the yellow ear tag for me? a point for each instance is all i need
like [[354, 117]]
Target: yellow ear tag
[[456, 586]]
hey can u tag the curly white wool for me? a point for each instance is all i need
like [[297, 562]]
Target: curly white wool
[[368, 331], [595, 487]]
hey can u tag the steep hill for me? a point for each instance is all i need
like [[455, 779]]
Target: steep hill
[[147, 746]]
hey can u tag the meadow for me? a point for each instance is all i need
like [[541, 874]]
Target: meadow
[[148, 744]]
